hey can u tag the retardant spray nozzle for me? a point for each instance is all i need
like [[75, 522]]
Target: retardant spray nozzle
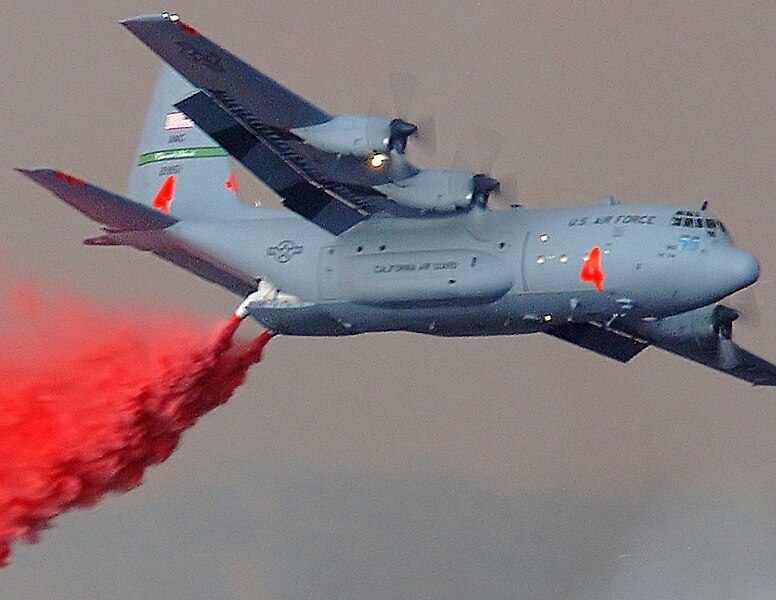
[[265, 293]]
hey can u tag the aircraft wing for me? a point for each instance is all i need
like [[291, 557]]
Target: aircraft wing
[[719, 353], [330, 205], [596, 338], [730, 359], [252, 117], [208, 66]]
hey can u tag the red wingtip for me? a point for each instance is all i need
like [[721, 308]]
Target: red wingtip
[[70, 179]]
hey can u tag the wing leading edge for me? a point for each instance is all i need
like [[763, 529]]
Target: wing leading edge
[[251, 115], [208, 66], [732, 360], [625, 340]]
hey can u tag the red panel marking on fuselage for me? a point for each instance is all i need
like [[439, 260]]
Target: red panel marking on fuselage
[[164, 195], [591, 269], [231, 184]]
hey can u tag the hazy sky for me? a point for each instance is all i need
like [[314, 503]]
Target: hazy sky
[[398, 466]]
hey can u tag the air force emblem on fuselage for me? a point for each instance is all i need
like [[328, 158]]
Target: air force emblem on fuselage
[[284, 250]]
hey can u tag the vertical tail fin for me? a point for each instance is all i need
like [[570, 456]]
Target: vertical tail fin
[[180, 170]]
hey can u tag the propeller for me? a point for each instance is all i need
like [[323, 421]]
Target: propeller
[[400, 169], [747, 304], [723, 318], [400, 131], [488, 145], [404, 89], [482, 186]]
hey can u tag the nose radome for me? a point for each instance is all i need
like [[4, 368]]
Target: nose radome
[[742, 267]]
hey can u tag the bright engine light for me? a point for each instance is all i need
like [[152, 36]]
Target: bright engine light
[[378, 160]]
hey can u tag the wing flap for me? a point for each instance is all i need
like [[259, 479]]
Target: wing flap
[[605, 342], [109, 209], [299, 193]]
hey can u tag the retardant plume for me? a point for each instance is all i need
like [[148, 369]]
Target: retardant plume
[[89, 399]]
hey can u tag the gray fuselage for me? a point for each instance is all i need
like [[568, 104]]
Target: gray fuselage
[[481, 272]]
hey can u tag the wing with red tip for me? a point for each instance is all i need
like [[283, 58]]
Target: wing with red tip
[[208, 66]]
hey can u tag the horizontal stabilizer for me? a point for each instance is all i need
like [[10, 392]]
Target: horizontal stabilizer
[[157, 242], [109, 209], [605, 342]]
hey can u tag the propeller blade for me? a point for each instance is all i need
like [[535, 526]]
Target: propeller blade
[[489, 144], [746, 303], [508, 192], [727, 354], [426, 136], [399, 167], [404, 89]]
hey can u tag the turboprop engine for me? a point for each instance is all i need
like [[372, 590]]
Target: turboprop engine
[[358, 135], [382, 142], [438, 190]]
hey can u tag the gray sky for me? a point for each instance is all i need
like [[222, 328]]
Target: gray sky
[[397, 466]]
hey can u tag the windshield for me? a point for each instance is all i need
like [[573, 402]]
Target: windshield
[[694, 219]]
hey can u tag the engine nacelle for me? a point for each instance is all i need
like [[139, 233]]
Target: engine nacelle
[[438, 190], [703, 326], [432, 189], [358, 135]]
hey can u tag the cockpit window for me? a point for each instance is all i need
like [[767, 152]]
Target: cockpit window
[[688, 218]]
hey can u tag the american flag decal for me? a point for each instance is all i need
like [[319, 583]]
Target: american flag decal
[[177, 120]]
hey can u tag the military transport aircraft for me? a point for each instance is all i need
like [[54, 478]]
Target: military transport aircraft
[[374, 243]]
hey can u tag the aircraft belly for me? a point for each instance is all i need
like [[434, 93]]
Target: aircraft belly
[[514, 313]]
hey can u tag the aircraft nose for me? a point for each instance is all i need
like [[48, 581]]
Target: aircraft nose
[[741, 268]]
